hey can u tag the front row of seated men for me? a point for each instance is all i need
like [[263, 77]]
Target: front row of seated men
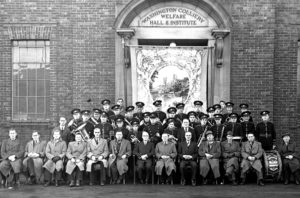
[[97, 154]]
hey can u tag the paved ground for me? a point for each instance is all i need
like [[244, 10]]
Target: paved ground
[[155, 191]]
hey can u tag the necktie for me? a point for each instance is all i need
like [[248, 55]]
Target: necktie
[[145, 143], [188, 143], [96, 141]]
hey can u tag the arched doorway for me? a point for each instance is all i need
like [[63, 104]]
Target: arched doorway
[[143, 30]]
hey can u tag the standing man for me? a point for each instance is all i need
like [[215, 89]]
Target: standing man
[[76, 121], [231, 152], [234, 127], [139, 111], [265, 132], [55, 152], [185, 128], [180, 109], [247, 126], [203, 126], [172, 114], [11, 152], [210, 152], [188, 152], [155, 129], [252, 153], [290, 159], [76, 154], [244, 107], [97, 152], [218, 128], [95, 118], [160, 114], [166, 153], [144, 151], [105, 127], [106, 107], [198, 108], [89, 126], [229, 110], [120, 150], [120, 102], [34, 156], [65, 132]]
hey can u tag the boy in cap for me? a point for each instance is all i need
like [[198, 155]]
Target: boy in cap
[[265, 132]]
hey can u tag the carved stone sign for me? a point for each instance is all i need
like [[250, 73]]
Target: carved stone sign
[[174, 17]]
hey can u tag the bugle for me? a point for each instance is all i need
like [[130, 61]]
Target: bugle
[[85, 136]]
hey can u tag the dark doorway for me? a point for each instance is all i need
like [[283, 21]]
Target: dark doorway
[[179, 42]]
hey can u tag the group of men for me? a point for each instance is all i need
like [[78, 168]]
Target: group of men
[[219, 145]]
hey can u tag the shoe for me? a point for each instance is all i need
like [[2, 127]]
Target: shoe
[[216, 182], [286, 182], [234, 183], [193, 182], [101, 183], [204, 181], [182, 182], [72, 184], [77, 183], [297, 182], [56, 183], [119, 180], [47, 183], [243, 181], [261, 183]]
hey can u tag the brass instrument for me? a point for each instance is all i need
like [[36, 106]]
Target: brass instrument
[[84, 134], [172, 138], [222, 133], [200, 140], [134, 139]]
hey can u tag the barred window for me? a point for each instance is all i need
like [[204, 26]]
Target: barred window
[[30, 80]]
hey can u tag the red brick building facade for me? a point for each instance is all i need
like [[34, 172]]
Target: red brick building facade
[[259, 52]]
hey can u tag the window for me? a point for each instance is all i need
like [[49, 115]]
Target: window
[[30, 80]]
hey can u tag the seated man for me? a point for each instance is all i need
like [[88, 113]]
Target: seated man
[[76, 154], [55, 152], [34, 155], [187, 152], [144, 151], [290, 158], [209, 152], [251, 153], [12, 153], [97, 152], [231, 152], [165, 152], [120, 150]]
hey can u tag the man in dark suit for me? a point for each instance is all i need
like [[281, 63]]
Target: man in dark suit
[[65, 132], [144, 151], [184, 128], [187, 152], [265, 132], [252, 153]]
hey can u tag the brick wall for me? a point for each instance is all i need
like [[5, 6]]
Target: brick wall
[[263, 67]]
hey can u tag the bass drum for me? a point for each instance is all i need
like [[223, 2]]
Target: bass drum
[[273, 165]]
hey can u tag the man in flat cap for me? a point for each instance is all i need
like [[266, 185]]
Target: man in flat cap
[[231, 152], [210, 153], [265, 132], [290, 158]]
